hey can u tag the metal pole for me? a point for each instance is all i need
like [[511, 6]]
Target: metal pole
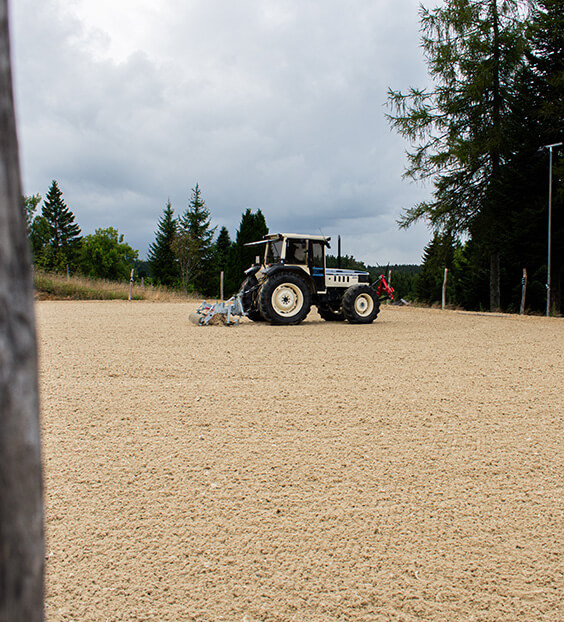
[[549, 147], [549, 233]]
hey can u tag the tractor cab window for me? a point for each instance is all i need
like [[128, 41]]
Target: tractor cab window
[[296, 251], [316, 254], [273, 252]]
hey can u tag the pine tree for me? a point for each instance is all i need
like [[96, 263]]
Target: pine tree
[[252, 228], [475, 51], [547, 83], [221, 259], [193, 245], [61, 250], [222, 247], [537, 120], [437, 255], [162, 260]]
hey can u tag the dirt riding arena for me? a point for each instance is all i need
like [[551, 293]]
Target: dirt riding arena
[[407, 470]]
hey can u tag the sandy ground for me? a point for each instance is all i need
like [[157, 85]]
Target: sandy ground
[[407, 470]]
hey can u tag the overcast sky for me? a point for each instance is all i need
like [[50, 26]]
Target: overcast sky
[[270, 104]]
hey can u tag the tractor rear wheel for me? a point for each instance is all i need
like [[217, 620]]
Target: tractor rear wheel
[[330, 314], [249, 300], [284, 298], [360, 304]]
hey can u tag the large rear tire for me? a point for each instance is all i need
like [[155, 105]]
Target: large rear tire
[[360, 304], [284, 298], [250, 299]]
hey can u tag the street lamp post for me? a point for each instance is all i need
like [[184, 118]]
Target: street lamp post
[[550, 148]]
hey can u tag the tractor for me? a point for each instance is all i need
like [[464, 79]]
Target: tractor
[[291, 275]]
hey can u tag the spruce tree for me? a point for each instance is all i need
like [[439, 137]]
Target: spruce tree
[[61, 250], [222, 247], [437, 255], [547, 83], [252, 228], [193, 245], [537, 119], [221, 259], [162, 260]]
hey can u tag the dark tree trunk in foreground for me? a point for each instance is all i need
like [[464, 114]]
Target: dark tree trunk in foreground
[[21, 505]]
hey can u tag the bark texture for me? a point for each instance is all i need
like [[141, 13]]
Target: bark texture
[[21, 504]]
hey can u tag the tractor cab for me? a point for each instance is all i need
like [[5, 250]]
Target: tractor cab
[[295, 251]]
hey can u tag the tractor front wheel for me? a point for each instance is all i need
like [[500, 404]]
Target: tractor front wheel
[[284, 298], [360, 304]]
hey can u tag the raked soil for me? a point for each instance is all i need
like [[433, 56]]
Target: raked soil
[[407, 470]]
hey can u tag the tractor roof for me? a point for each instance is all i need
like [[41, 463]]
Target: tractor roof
[[300, 236]]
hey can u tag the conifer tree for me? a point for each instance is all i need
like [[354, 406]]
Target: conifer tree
[[221, 259], [537, 119], [62, 247], [252, 228], [162, 260], [222, 247], [475, 51], [193, 245], [437, 255]]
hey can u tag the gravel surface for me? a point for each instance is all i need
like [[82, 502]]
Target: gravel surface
[[406, 470]]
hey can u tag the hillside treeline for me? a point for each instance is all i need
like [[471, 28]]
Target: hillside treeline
[[187, 253]]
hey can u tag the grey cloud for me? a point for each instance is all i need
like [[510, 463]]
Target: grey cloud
[[276, 105]]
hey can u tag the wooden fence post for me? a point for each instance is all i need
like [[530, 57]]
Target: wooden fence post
[[523, 291], [221, 285], [443, 300], [21, 497], [131, 283]]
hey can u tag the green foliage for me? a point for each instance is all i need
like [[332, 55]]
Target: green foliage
[[39, 235], [474, 49], [475, 52], [193, 245], [252, 228], [403, 279], [221, 261], [55, 286], [348, 262], [105, 255], [162, 260], [498, 97], [30, 206], [437, 255], [60, 250]]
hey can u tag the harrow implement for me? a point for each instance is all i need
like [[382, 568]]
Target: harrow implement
[[227, 312]]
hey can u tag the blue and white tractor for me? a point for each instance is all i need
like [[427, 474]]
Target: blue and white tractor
[[290, 275]]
